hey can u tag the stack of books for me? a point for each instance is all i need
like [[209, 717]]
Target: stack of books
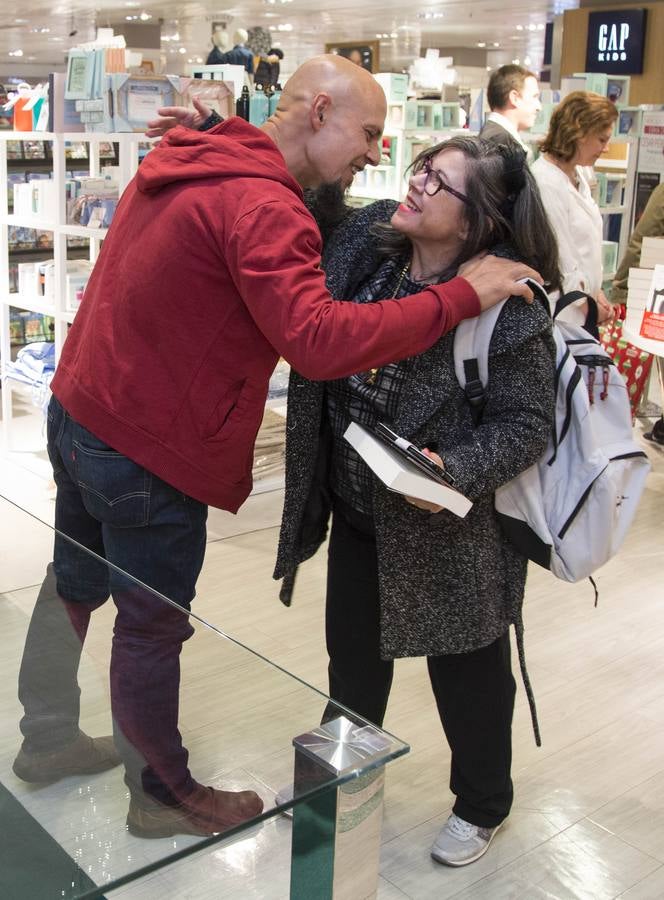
[[652, 253]]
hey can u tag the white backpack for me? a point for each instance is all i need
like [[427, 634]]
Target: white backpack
[[571, 510]]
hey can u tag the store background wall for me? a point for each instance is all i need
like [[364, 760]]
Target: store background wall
[[645, 88]]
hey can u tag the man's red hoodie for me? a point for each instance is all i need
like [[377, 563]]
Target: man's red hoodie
[[210, 271]]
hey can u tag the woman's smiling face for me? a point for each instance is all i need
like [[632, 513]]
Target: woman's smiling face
[[438, 217]]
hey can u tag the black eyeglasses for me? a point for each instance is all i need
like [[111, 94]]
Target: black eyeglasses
[[434, 183]]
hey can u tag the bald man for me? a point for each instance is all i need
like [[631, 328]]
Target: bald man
[[209, 273]]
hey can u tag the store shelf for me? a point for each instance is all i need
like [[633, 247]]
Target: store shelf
[[28, 222], [35, 222], [616, 165], [83, 231], [30, 304], [26, 163], [126, 148], [30, 253]]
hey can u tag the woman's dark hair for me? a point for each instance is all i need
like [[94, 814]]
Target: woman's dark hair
[[504, 207]]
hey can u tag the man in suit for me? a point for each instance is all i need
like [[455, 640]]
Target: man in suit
[[514, 97]]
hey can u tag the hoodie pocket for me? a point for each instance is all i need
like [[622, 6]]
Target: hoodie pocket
[[234, 412]]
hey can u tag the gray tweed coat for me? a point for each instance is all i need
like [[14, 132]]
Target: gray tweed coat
[[447, 585]]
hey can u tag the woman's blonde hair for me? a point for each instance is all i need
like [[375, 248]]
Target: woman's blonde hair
[[581, 113]]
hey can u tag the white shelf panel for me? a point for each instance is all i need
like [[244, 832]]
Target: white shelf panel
[[69, 230], [83, 231], [612, 210], [31, 304], [28, 222], [70, 136], [617, 165], [26, 136]]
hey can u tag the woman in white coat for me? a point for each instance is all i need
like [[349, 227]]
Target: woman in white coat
[[580, 130]]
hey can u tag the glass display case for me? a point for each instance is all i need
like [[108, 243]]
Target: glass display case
[[245, 724]]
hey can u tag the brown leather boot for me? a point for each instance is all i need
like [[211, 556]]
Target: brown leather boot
[[205, 811], [85, 756]]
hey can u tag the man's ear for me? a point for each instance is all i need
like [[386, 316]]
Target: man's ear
[[319, 110], [514, 97]]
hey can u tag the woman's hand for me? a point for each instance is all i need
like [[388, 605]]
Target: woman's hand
[[605, 310], [424, 504], [171, 116]]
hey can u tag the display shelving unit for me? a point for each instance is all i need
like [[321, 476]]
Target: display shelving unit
[[406, 139], [57, 165], [622, 162]]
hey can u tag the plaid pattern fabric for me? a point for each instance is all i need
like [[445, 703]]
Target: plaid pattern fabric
[[355, 399]]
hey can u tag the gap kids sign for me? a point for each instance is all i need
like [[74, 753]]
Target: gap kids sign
[[615, 42]]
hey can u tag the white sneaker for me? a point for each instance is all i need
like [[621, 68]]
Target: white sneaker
[[460, 843]]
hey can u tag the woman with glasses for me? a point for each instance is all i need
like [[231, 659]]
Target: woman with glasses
[[406, 578]]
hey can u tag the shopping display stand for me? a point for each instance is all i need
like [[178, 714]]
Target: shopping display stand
[[650, 346], [55, 307]]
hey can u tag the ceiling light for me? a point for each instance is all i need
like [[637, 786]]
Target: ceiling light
[[20, 21], [15, 53], [182, 49], [496, 44], [145, 17], [527, 61], [516, 62], [519, 27], [39, 30], [532, 27], [481, 44], [285, 27], [394, 35], [540, 26]]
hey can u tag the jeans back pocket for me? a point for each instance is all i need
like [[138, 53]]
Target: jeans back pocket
[[115, 490]]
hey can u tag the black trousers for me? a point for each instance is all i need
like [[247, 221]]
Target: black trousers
[[474, 691]]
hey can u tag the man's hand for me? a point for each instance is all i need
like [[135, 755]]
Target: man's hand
[[170, 116], [494, 278]]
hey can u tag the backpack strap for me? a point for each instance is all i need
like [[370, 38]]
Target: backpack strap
[[471, 357], [566, 300]]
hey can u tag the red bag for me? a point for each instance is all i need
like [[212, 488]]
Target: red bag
[[633, 364]]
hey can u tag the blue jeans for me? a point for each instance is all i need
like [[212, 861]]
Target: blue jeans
[[146, 528]]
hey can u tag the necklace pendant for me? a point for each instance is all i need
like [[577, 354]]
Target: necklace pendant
[[371, 377]]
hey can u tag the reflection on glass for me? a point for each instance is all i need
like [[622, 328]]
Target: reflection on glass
[[100, 790]]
